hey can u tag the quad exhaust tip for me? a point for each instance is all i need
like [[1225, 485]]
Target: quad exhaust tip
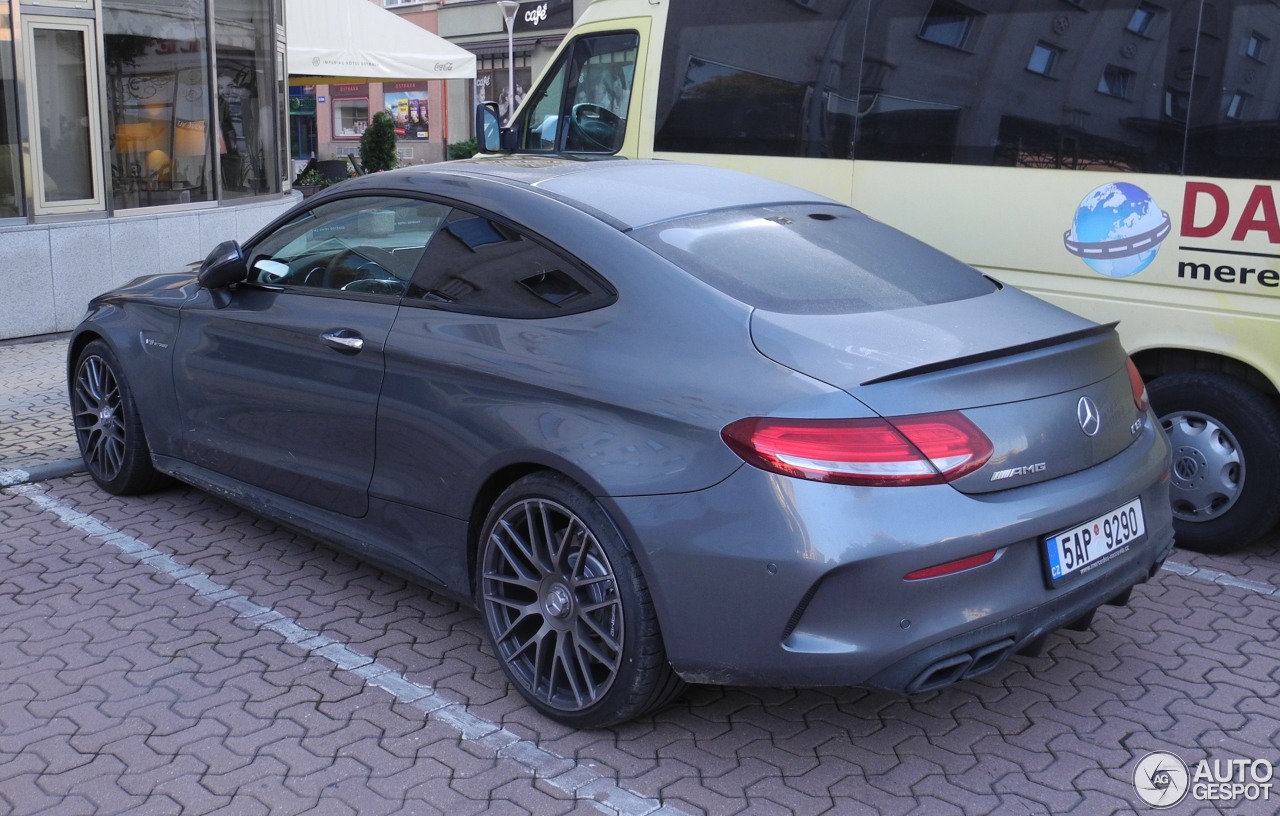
[[962, 666]]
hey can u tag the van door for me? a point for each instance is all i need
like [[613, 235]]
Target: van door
[[586, 99]]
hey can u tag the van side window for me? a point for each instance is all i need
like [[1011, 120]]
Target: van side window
[[582, 108]]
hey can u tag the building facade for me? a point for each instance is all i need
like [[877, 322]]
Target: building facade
[[327, 120], [134, 136], [478, 26]]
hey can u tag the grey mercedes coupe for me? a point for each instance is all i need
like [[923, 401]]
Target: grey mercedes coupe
[[660, 423]]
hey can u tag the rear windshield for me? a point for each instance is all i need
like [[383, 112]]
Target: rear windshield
[[812, 259]]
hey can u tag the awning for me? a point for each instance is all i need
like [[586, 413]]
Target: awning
[[340, 41]]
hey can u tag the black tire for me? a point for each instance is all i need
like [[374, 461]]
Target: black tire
[[565, 608], [1226, 452], [108, 430]]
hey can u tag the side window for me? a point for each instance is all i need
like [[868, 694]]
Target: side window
[[480, 266], [782, 80], [583, 107], [370, 244]]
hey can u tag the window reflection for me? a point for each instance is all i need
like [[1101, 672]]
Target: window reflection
[[1044, 58], [1178, 86], [157, 102], [1256, 48], [1143, 16], [63, 114], [1116, 82], [947, 24], [776, 79], [246, 138], [10, 147]]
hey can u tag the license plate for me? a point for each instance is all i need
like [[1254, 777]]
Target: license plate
[[1081, 548]]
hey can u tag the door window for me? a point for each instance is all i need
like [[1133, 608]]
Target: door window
[[583, 107], [368, 244]]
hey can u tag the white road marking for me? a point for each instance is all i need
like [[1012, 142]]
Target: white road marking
[[1214, 576], [564, 774]]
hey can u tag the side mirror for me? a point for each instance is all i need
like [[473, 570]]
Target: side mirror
[[224, 266], [488, 127]]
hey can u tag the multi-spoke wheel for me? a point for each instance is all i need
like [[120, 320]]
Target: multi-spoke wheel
[[107, 427], [1225, 438], [565, 607]]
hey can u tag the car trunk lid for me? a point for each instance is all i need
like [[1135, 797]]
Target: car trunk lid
[[1049, 389]]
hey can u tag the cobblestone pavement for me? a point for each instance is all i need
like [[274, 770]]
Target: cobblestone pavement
[[171, 654], [35, 421]]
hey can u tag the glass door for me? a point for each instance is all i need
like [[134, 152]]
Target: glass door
[[66, 142]]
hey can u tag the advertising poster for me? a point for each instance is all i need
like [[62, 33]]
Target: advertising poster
[[407, 104], [491, 86]]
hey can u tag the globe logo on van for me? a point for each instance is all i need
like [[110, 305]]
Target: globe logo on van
[[1118, 230]]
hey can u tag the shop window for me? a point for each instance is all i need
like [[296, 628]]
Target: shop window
[[157, 104], [248, 120], [491, 84], [350, 110], [11, 199]]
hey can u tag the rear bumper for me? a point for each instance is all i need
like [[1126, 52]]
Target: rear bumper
[[767, 580], [975, 652]]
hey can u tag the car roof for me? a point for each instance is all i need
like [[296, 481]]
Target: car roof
[[631, 193]]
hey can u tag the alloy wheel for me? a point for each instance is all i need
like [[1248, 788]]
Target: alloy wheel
[[97, 411], [552, 604]]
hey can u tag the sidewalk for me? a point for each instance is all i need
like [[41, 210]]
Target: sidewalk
[[37, 440]]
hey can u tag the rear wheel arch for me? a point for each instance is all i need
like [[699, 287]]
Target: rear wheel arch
[[1222, 416], [1157, 362], [493, 487]]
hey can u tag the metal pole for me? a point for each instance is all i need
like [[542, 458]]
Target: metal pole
[[509, 8]]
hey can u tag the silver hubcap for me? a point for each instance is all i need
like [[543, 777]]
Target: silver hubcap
[[552, 604], [1208, 466], [96, 403]]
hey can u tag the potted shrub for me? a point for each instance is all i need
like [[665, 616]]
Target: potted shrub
[[378, 144], [311, 182]]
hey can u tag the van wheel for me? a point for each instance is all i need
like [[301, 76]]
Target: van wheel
[[1226, 450], [566, 609]]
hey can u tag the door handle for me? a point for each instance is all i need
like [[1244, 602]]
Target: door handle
[[344, 340]]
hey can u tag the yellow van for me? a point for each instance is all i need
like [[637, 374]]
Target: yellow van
[[1116, 157]]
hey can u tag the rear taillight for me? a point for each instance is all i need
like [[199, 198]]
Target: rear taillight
[[1139, 388], [910, 450]]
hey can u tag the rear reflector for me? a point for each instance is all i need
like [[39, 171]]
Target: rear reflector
[[952, 567], [898, 451]]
